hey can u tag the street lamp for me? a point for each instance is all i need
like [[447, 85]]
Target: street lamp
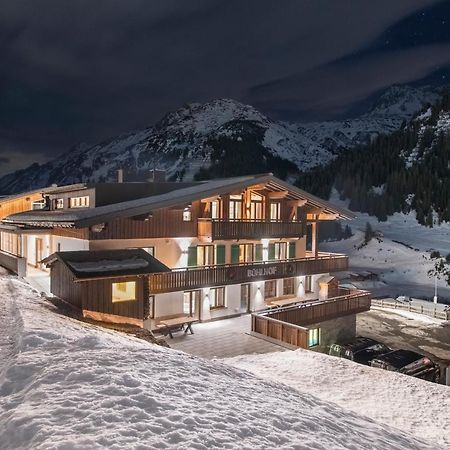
[[435, 298]]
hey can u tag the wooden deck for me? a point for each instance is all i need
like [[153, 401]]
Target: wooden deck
[[288, 324]]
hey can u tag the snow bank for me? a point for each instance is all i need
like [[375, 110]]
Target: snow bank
[[72, 385], [409, 404]]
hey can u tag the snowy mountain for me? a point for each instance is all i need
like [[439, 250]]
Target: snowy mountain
[[192, 137]]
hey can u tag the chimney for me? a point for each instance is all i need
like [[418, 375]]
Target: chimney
[[157, 176], [120, 176]]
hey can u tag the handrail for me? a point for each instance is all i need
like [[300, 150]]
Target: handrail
[[208, 219], [305, 304]]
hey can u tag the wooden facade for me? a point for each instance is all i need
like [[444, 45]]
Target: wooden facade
[[187, 279], [164, 223], [96, 295], [18, 204]]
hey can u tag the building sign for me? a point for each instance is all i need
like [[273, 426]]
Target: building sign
[[257, 272]]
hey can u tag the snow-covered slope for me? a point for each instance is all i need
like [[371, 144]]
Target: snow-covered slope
[[407, 403], [72, 385], [183, 140]]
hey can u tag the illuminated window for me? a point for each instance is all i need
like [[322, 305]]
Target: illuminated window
[[256, 207], [124, 291], [79, 202], [205, 255], [187, 215], [275, 211], [59, 203], [236, 207], [313, 337], [215, 209], [245, 253], [217, 297], [280, 251]]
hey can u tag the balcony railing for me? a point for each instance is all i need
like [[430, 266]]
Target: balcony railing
[[198, 277], [217, 229], [288, 324]]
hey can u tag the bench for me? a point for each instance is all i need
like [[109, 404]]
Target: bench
[[167, 326]]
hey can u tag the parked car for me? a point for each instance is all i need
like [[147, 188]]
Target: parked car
[[409, 363], [362, 350], [404, 299]]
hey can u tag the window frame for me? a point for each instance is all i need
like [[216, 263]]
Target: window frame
[[314, 337], [128, 299], [215, 304], [272, 291]]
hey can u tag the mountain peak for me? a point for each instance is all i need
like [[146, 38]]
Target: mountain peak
[[184, 141]]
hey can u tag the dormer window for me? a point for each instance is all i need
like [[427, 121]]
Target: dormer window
[[79, 202]]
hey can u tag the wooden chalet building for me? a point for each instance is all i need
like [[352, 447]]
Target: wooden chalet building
[[233, 245]]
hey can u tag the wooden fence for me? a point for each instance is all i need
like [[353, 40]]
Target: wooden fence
[[430, 311], [287, 324]]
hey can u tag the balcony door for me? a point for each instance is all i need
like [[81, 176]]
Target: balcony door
[[256, 207], [191, 303], [235, 210], [275, 211]]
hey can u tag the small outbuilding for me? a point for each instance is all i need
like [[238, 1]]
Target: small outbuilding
[[108, 285]]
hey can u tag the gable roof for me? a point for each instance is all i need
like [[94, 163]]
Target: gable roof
[[90, 216], [87, 264]]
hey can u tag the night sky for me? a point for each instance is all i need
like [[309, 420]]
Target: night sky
[[82, 71]]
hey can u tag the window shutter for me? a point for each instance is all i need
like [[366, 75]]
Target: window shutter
[[220, 254], [291, 250], [258, 252], [235, 254], [192, 256], [271, 252]]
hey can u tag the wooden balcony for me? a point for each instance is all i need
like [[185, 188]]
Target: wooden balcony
[[249, 229], [198, 277], [288, 324]]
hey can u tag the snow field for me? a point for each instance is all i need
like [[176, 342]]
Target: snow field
[[71, 385]]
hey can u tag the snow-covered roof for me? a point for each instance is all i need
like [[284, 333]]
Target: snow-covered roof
[[91, 216], [88, 264]]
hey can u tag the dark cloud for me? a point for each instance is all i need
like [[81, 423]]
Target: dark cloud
[[83, 71], [4, 160]]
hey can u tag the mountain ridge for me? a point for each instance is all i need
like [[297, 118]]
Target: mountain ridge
[[185, 142]]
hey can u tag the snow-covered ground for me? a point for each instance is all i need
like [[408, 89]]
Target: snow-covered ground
[[402, 258], [68, 384], [416, 406]]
